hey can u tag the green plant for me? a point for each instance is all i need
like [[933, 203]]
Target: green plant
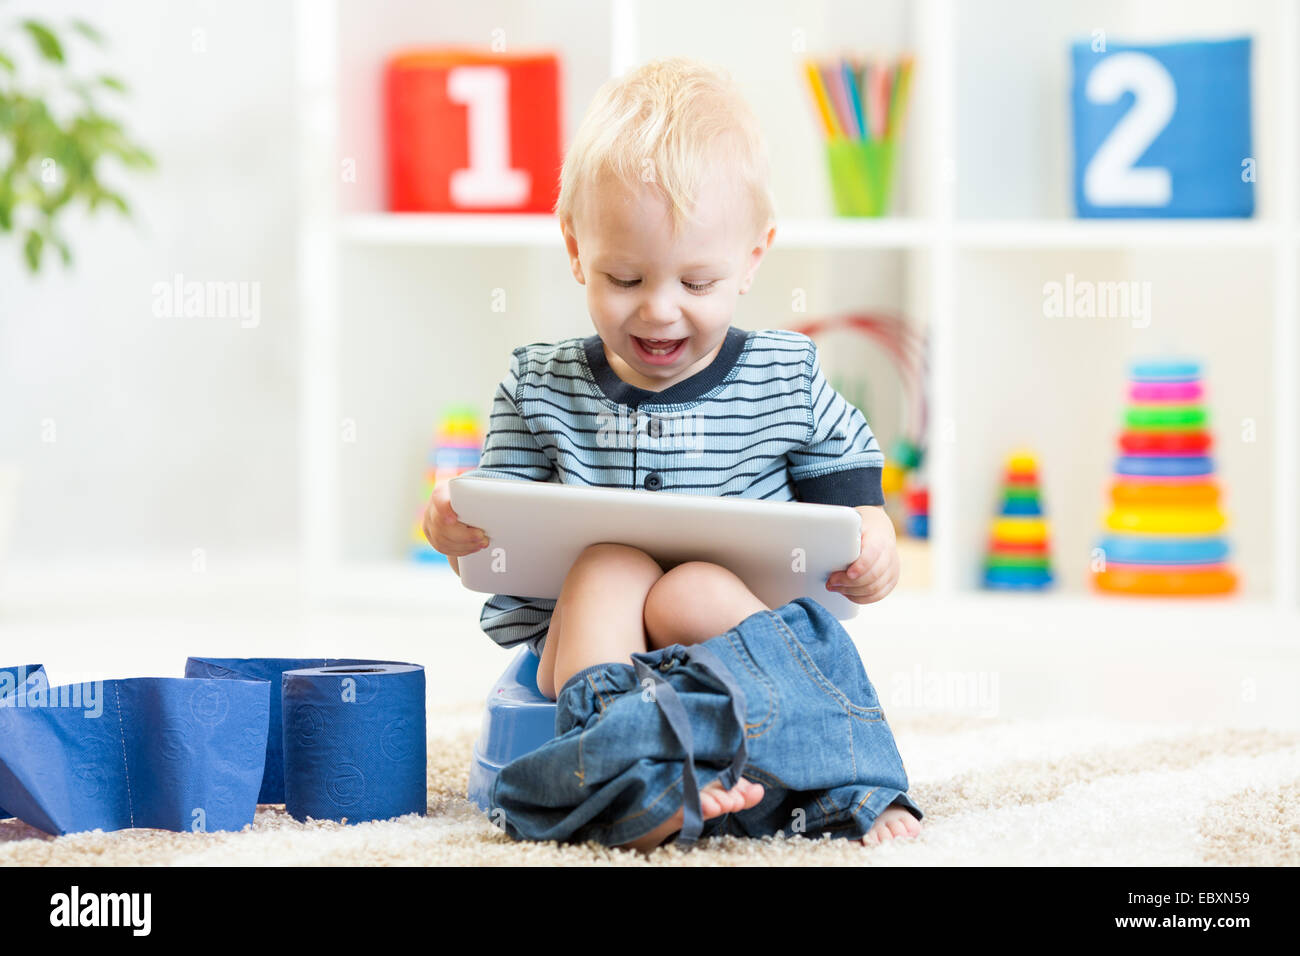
[[48, 163]]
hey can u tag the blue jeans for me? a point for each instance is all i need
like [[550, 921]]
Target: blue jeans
[[781, 699]]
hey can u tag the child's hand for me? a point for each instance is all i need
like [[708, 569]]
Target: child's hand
[[445, 531], [875, 572]]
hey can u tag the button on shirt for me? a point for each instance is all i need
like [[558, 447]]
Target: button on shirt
[[760, 421]]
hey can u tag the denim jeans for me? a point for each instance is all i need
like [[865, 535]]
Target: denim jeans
[[781, 699]]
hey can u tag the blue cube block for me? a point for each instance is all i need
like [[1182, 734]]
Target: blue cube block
[[1163, 130], [518, 720]]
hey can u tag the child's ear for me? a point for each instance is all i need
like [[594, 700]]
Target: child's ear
[[571, 247], [756, 255]]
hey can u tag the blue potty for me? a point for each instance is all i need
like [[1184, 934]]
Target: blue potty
[[518, 720]]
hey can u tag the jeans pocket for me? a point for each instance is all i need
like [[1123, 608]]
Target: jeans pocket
[[762, 702], [831, 663]]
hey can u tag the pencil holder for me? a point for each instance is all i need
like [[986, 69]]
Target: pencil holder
[[862, 175]]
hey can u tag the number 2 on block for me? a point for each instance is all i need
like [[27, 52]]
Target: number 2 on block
[[1110, 178]]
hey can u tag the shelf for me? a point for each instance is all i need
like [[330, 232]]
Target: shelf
[[429, 229], [1112, 233], [487, 229], [484, 229], [853, 233]]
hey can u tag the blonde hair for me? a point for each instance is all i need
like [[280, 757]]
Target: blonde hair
[[668, 122]]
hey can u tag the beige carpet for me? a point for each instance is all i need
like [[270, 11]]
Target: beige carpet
[[994, 792]]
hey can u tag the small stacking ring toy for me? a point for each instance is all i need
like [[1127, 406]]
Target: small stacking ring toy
[[1017, 547], [1020, 530], [996, 560], [1017, 577]]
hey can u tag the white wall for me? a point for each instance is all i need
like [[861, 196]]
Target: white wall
[[170, 433]]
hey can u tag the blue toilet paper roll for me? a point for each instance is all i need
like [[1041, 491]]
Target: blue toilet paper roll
[[354, 742], [266, 669], [13, 681], [168, 753]]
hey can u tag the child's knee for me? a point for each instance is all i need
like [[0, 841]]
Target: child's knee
[[697, 580], [687, 596], [624, 564]]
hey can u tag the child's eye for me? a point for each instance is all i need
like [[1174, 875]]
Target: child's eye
[[693, 286]]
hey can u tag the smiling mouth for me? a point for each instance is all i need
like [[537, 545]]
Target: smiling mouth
[[659, 347]]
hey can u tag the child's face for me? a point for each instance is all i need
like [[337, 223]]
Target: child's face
[[644, 284]]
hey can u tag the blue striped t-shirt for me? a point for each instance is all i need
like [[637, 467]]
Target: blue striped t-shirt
[[760, 421]]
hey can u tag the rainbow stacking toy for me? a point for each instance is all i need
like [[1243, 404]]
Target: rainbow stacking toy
[[457, 447], [1163, 531], [1018, 556]]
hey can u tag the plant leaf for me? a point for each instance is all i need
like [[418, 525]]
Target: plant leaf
[[116, 200], [113, 83], [7, 63], [89, 32], [32, 250], [46, 41], [64, 252]]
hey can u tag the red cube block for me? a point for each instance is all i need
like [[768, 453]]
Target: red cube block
[[469, 131]]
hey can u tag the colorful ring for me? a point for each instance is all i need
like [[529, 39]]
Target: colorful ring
[[1017, 547], [1168, 481], [1020, 530], [1157, 371], [1165, 391], [1200, 493], [1173, 465], [1165, 442], [1021, 506], [1165, 568], [1017, 577], [1161, 549], [1165, 416], [1166, 520], [1021, 492], [1042, 562], [1219, 581]]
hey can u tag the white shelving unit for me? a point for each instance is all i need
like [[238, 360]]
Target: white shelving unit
[[981, 222]]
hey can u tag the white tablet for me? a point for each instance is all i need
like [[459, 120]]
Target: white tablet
[[782, 550]]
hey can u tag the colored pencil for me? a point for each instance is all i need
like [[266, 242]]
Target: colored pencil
[[855, 98], [820, 98]]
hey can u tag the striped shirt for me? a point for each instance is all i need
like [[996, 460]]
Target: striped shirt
[[760, 421]]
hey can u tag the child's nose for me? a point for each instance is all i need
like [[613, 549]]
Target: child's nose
[[660, 305]]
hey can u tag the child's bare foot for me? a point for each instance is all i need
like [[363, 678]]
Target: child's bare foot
[[714, 802], [893, 822]]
